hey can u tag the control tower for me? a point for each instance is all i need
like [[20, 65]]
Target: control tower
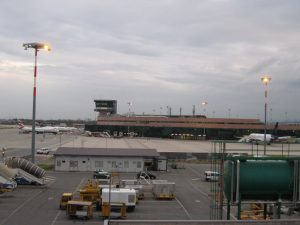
[[106, 107]]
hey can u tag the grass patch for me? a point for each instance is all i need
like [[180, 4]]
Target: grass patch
[[46, 166]]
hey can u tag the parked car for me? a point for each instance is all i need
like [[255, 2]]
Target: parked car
[[147, 175], [44, 151], [100, 174], [211, 176]]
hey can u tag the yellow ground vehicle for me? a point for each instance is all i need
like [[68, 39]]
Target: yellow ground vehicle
[[80, 209], [64, 200], [90, 192]]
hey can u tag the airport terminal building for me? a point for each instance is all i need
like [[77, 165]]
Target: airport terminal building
[[193, 127], [112, 159]]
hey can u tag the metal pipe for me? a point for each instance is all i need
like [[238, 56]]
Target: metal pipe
[[109, 198], [221, 180], [298, 194], [228, 210], [232, 180], [237, 197], [295, 186]]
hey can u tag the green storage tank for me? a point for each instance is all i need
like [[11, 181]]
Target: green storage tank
[[259, 179]]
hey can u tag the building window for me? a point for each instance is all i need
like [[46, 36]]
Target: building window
[[126, 164], [139, 164], [73, 163], [120, 164], [114, 164], [83, 161], [99, 164], [63, 161], [58, 163]]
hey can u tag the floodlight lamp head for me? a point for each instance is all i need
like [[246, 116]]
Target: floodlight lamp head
[[265, 79], [37, 46]]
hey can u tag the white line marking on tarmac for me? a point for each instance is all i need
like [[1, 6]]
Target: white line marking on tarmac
[[17, 209], [79, 185], [57, 215], [197, 189], [184, 209]]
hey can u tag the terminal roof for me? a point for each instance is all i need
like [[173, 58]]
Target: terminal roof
[[121, 152]]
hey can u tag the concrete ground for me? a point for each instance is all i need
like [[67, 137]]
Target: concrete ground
[[39, 205], [12, 139]]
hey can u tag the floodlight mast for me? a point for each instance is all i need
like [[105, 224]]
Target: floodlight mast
[[204, 108], [36, 46], [265, 80]]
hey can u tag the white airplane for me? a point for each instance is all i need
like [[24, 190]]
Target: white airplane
[[256, 137], [65, 129], [38, 130], [286, 139], [259, 138]]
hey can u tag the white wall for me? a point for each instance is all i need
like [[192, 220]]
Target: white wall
[[83, 163]]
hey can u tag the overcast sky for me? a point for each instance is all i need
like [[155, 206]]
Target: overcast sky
[[153, 53]]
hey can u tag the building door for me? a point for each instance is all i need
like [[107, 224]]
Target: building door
[[73, 165]]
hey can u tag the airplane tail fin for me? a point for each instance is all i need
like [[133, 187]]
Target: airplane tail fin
[[274, 133], [243, 139], [20, 124]]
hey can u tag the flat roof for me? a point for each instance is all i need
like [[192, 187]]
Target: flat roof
[[121, 152]]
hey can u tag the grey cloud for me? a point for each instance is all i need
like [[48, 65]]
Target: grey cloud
[[155, 53]]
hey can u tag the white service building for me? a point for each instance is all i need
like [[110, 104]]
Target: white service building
[[108, 159]]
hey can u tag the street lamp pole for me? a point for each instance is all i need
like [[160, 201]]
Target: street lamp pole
[[129, 114], [36, 47], [204, 109], [204, 105], [265, 80]]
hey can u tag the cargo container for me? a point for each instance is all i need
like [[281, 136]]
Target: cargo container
[[128, 182], [119, 196], [80, 209], [139, 190], [162, 189]]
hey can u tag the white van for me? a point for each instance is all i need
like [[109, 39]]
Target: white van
[[118, 196], [211, 176]]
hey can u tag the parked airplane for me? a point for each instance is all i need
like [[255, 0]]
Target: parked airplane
[[286, 139], [256, 137], [259, 138], [38, 130], [65, 129]]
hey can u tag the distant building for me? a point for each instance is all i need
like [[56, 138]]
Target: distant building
[[112, 159], [195, 127], [106, 107], [188, 127]]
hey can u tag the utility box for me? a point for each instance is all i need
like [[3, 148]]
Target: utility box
[[161, 163], [139, 190], [128, 182], [162, 189]]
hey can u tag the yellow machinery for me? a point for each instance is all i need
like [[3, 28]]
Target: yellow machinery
[[64, 200], [80, 209], [256, 212], [115, 179], [106, 211], [91, 192]]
